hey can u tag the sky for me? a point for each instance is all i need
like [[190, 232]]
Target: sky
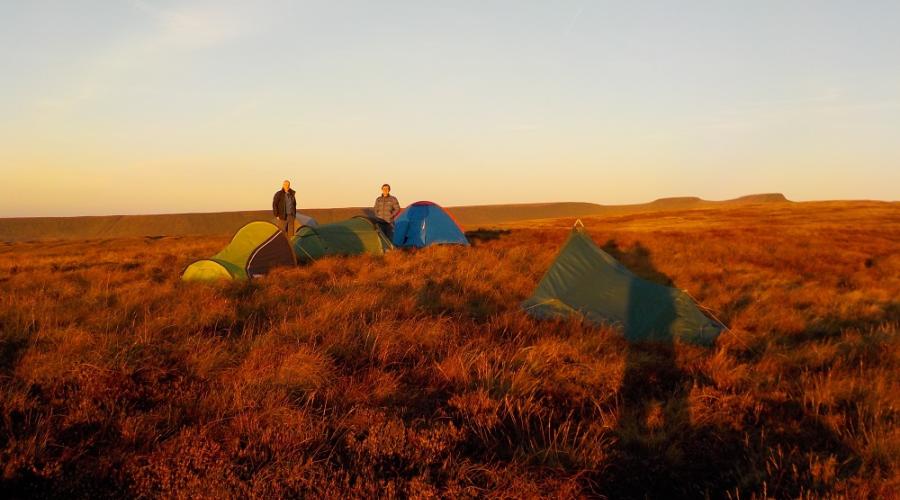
[[146, 106]]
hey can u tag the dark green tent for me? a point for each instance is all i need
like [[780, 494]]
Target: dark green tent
[[354, 236], [587, 282], [255, 248]]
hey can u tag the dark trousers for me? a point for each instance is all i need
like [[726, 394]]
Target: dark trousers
[[386, 227], [287, 225]]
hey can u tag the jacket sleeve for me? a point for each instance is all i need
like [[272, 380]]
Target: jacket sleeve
[[395, 206], [275, 205]]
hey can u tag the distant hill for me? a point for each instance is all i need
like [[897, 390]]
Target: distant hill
[[222, 223], [687, 202]]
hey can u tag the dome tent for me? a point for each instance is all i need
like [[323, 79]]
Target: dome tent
[[584, 281], [255, 249], [426, 223], [354, 236]]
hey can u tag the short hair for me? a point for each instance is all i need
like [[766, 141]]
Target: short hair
[[386, 186]]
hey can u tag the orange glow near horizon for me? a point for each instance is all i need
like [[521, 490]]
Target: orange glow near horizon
[[156, 107]]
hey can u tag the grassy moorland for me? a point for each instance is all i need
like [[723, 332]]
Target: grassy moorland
[[417, 375], [222, 223]]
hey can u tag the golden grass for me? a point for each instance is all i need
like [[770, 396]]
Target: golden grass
[[417, 375]]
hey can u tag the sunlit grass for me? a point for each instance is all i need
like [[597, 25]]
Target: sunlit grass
[[416, 374]]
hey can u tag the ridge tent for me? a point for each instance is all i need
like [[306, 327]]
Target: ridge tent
[[425, 223], [255, 249], [588, 282], [354, 236]]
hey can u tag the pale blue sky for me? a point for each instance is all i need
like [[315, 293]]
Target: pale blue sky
[[147, 106]]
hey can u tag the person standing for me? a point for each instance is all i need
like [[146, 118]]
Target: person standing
[[386, 207], [284, 206]]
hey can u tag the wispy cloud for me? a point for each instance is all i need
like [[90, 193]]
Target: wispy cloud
[[171, 30], [574, 20], [200, 25]]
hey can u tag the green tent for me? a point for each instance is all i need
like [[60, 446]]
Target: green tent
[[354, 236], [587, 282], [256, 248]]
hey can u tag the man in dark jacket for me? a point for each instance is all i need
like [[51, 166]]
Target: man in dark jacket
[[386, 207], [284, 206]]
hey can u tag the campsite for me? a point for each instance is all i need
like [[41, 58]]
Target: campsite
[[417, 373], [508, 249]]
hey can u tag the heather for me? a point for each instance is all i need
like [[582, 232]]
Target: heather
[[417, 374]]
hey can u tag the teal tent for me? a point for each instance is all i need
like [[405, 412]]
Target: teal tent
[[355, 236], [584, 281]]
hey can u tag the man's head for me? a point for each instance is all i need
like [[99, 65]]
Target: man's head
[[286, 185], [385, 189]]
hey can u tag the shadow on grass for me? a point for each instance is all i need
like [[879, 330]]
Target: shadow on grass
[[653, 411], [12, 346], [660, 453], [482, 235]]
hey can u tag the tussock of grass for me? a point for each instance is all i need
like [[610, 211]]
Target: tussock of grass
[[417, 375]]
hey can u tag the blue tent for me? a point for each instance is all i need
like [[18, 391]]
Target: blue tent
[[425, 223]]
